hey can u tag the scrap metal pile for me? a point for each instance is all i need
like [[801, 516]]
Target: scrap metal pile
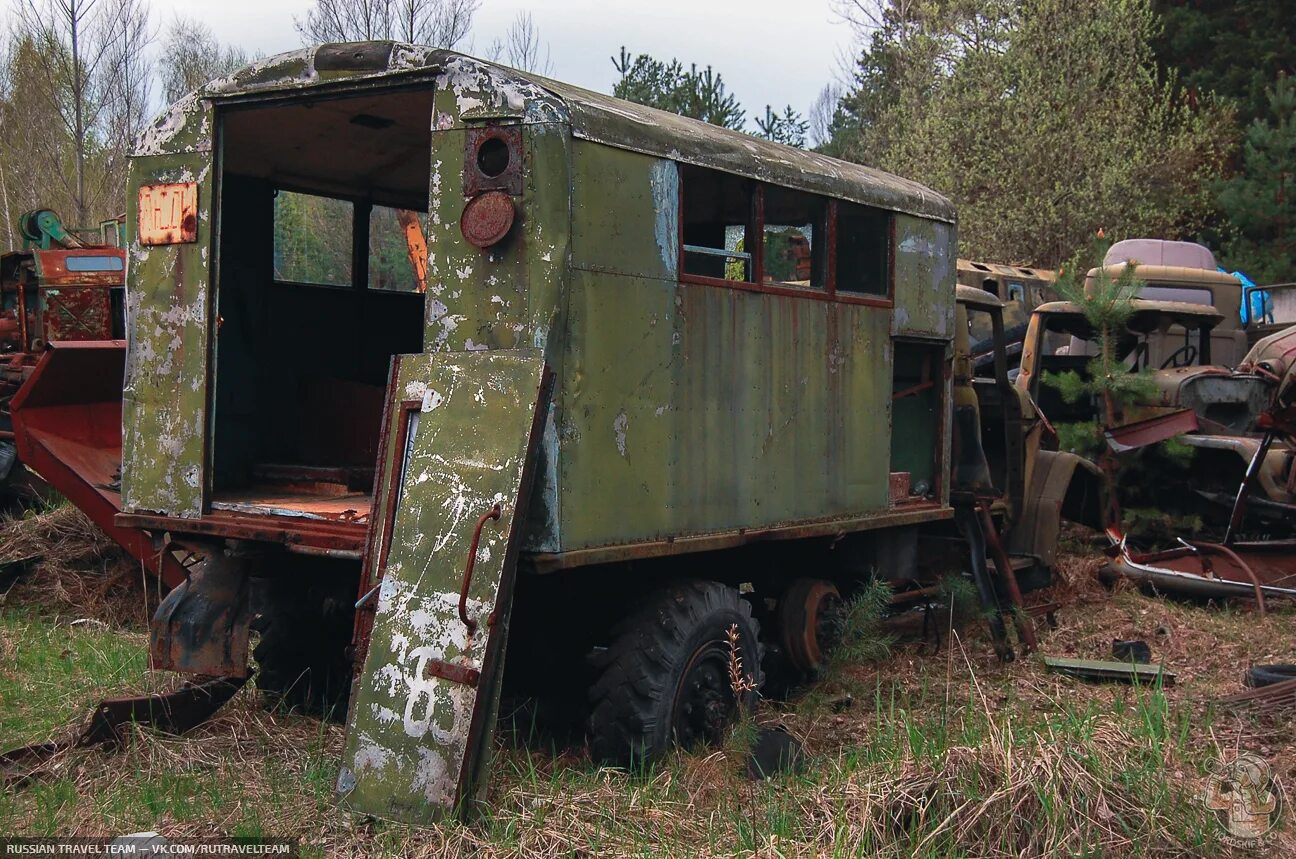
[[1236, 567]]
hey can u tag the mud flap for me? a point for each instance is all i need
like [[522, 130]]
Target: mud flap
[[461, 436], [202, 625]]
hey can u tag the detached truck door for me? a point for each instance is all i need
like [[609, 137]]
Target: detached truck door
[[461, 435]]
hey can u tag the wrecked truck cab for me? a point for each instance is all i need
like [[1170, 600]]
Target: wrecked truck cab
[[655, 384], [1173, 340], [1210, 408]]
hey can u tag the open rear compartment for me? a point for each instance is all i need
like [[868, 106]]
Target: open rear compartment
[[322, 216]]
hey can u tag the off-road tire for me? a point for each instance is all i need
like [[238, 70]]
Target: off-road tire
[[303, 650], [1258, 676], [639, 699]]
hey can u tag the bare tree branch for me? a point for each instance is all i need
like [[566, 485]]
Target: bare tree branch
[[93, 77], [440, 23], [522, 48]]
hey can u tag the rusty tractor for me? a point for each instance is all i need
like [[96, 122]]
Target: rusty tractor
[[58, 288], [602, 438]]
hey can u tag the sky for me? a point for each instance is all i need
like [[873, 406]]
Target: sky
[[769, 52]]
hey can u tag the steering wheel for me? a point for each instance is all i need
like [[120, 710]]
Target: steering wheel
[[1189, 353]]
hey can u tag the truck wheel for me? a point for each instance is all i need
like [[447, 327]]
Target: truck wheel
[[812, 620], [666, 675], [302, 654]]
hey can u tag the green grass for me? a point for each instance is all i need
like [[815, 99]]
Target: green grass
[[946, 755], [54, 672]]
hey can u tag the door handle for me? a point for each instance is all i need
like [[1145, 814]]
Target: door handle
[[493, 513]]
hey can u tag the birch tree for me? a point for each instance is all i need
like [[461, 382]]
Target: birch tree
[[439, 23], [86, 60]]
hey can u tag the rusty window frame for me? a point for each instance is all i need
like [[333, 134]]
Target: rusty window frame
[[752, 250], [755, 229], [819, 246], [881, 299], [374, 561]]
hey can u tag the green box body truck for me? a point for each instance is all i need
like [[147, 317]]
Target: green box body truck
[[664, 393]]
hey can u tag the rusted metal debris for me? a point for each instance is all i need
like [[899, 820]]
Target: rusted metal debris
[[202, 625], [173, 713], [1274, 697], [1210, 571], [1158, 428], [1004, 570], [57, 289], [1102, 670]]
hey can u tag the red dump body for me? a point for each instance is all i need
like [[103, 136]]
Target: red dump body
[[62, 321], [67, 426]]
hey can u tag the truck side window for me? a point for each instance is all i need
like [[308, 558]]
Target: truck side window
[[312, 239], [795, 232], [716, 211], [392, 250], [863, 250]]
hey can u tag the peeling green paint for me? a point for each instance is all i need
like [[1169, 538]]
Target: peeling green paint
[[679, 409], [164, 399], [925, 268], [466, 448]]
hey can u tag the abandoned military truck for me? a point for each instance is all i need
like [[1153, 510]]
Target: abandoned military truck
[[667, 381]]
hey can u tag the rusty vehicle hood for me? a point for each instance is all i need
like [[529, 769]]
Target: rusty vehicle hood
[[1228, 402]]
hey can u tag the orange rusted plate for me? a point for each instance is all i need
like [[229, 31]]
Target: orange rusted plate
[[487, 218], [168, 214]]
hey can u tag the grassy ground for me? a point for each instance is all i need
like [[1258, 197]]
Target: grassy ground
[[929, 752]]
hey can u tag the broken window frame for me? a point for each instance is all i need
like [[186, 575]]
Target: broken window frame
[[755, 233]]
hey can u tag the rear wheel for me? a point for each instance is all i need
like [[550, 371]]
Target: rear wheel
[[303, 648], [812, 620], [667, 674]]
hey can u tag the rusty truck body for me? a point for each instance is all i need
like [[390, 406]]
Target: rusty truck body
[[605, 433], [57, 288]]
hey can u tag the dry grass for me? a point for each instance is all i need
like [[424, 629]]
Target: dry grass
[[946, 753], [74, 568]]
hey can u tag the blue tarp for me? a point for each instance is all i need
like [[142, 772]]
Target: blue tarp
[[1261, 305]]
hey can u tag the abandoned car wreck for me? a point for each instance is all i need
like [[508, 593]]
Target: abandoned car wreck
[[662, 380]]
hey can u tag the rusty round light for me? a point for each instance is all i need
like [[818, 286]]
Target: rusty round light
[[487, 218]]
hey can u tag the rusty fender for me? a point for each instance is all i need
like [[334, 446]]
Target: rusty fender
[[1063, 486], [202, 625]]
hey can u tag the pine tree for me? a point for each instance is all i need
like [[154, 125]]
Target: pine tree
[[1261, 200], [788, 127], [1139, 480], [667, 86], [1107, 304]]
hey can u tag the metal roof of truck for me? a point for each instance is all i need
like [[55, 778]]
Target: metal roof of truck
[[592, 116]]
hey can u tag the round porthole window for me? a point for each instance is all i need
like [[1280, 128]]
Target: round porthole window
[[492, 157]]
